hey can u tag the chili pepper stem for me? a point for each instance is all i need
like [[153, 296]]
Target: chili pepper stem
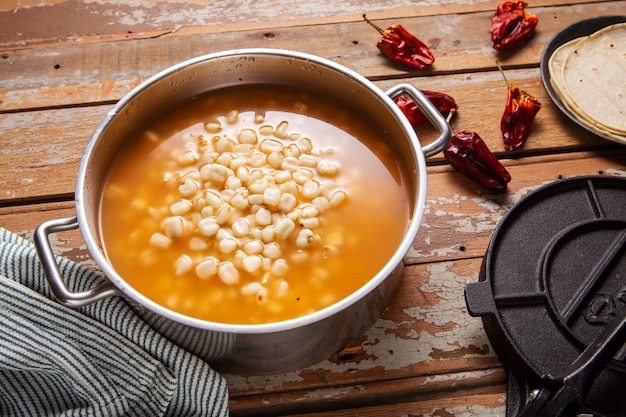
[[502, 72], [450, 113], [374, 25]]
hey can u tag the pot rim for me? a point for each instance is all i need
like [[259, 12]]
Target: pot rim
[[317, 316]]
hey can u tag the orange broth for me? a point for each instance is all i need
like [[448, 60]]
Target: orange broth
[[352, 242]]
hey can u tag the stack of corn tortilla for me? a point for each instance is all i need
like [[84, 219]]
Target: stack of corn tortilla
[[588, 74]]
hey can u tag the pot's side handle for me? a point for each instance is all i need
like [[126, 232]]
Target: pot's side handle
[[431, 113], [51, 268]]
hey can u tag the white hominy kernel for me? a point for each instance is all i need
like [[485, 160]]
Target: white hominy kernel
[[263, 217], [310, 223], [268, 146], [259, 118], [252, 263], [238, 161], [271, 196], [243, 173], [302, 174], [310, 189], [213, 127], [216, 173], [266, 130], [295, 215], [268, 233], [228, 194], [228, 245], [287, 202], [257, 159], [282, 176], [272, 250], [198, 203], [321, 203], [255, 233], [282, 289], [159, 240], [223, 214], [180, 207], [232, 183], [337, 198], [232, 117], [251, 289], [223, 233], [292, 150], [255, 174], [309, 211], [186, 158], [261, 296], [248, 136], [252, 247], [174, 226], [237, 258], [307, 160], [207, 211], [208, 157], [188, 188], [305, 145], [206, 267], [228, 273], [224, 144], [239, 202], [275, 159], [289, 187], [225, 159], [327, 169], [208, 226], [213, 199], [281, 129], [284, 228], [182, 265], [290, 163], [243, 149], [305, 238], [255, 199], [279, 268], [198, 243], [192, 174], [258, 186]]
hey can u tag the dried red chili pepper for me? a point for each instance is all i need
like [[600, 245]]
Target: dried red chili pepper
[[468, 154], [401, 46], [443, 102], [519, 114], [511, 25]]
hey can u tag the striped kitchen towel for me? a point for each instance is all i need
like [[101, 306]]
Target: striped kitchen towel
[[98, 360]]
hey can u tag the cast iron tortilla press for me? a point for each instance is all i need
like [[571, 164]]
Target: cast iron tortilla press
[[552, 297]]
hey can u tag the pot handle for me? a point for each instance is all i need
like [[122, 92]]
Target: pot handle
[[431, 113], [51, 268]]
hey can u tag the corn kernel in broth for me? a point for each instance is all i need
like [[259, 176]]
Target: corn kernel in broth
[[349, 239]]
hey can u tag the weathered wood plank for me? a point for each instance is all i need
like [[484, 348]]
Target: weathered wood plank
[[134, 17], [58, 75]]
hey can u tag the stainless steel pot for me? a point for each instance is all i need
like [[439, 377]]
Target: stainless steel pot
[[263, 348]]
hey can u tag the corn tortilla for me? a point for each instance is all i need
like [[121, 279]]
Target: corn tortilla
[[593, 78]]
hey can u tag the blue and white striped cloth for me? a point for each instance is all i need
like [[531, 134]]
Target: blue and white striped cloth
[[98, 360]]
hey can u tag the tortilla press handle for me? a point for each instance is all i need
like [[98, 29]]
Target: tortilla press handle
[[579, 376], [431, 113], [59, 289]]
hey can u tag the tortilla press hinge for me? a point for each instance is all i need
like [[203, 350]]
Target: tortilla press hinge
[[579, 376]]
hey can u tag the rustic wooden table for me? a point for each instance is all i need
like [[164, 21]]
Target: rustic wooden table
[[64, 63]]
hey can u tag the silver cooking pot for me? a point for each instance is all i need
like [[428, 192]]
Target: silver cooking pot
[[258, 348]]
